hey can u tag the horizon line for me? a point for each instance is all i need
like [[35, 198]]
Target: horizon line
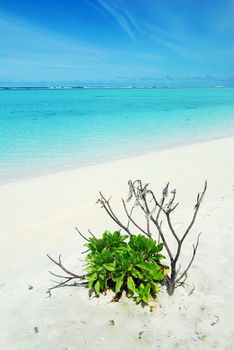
[[65, 87]]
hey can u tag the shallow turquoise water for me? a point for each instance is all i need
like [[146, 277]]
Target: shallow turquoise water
[[50, 130]]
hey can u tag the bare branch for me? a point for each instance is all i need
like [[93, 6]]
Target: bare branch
[[143, 197], [59, 264], [92, 234], [81, 234], [130, 214], [191, 261], [153, 212], [171, 227], [59, 276], [106, 205], [196, 208], [65, 279], [171, 201], [131, 219], [148, 226], [163, 238], [65, 284]]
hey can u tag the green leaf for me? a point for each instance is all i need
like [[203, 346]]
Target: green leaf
[[129, 294], [138, 300], [147, 266], [102, 284], [154, 286], [131, 284], [109, 267], [147, 288], [116, 234], [89, 269], [157, 275], [137, 274], [91, 279], [119, 283], [124, 237], [160, 257], [160, 247], [164, 269], [97, 287]]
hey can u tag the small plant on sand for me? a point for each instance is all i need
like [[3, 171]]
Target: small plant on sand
[[122, 264], [131, 266], [132, 263]]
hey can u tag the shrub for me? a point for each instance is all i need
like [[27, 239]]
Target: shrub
[[131, 263], [131, 266]]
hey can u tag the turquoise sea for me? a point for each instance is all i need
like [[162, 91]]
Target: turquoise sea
[[42, 131]]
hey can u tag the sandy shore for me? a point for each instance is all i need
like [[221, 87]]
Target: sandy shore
[[38, 216]]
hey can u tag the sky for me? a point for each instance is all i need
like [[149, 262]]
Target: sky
[[160, 42]]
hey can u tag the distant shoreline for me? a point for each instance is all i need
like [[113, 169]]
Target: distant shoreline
[[3, 88]]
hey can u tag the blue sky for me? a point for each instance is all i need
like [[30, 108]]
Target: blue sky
[[126, 41]]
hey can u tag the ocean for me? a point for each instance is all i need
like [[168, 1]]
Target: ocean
[[43, 131]]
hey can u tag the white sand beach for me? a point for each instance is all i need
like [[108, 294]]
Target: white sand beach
[[38, 216]]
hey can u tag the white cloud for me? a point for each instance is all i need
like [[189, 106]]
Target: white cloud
[[120, 16]]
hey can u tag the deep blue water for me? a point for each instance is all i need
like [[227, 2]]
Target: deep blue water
[[50, 130]]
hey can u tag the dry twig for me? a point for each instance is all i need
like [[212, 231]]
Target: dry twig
[[65, 279], [142, 197]]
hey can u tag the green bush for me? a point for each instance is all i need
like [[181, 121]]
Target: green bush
[[122, 263]]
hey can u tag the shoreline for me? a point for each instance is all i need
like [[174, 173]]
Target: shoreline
[[57, 87], [72, 168]]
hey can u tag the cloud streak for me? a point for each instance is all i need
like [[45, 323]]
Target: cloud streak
[[103, 39], [136, 27], [121, 17]]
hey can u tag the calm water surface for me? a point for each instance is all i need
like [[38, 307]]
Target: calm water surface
[[48, 130]]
